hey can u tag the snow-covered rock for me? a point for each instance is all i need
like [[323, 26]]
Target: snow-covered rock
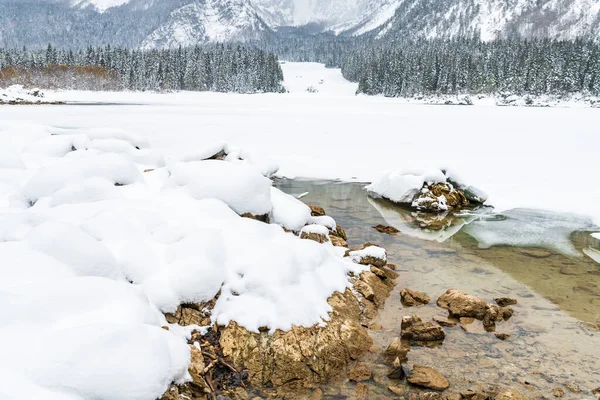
[[429, 190], [95, 251]]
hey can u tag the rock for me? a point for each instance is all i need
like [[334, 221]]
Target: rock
[[380, 288], [502, 336], [389, 230], [445, 322], [262, 218], [375, 327], [196, 369], [412, 298], [302, 356], [596, 391], [572, 270], [316, 211], [505, 301], [189, 314], [391, 266], [397, 390], [509, 394], [360, 372], [418, 333], [368, 254], [317, 237], [396, 350], [431, 396], [460, 304], [535, 253], [364, 289], [440, 197], [379, 272], [361, 392], [340, 232], [453, 396], [573, 388], [428, 377], [558, 392], [337, 241]]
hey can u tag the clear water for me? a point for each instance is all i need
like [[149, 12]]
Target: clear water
[[555, 330]]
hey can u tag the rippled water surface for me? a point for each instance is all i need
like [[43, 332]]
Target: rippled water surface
[[555, 338]]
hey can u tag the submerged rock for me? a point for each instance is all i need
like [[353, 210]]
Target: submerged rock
[[412, 298], [445, 322], [360, 372], [505, 301], [389, 230], [417, 332], [428, 377]]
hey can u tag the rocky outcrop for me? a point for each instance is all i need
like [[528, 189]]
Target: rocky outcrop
[[315, 236], [316, 211], [411, 298], [302, 357], [428, 377]]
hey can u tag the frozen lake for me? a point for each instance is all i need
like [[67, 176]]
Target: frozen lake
[[523, 157]]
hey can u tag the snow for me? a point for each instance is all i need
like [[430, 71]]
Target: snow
[[318, 229], [596, 235], [401, 186], [289, 212], [244, 189], [96, 246], [99, 5], [371, 251]]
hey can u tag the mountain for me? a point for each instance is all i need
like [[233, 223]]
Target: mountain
[[169, 23], [491, 19]]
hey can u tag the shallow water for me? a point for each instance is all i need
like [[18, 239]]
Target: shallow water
[[555, 338]]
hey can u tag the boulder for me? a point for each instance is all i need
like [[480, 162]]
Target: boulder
[[337, 241], [460, 304], [304, 357], [412, 298], [428, 377], [509, 394]]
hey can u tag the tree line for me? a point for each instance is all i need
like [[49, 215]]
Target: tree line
[[219, 68], [471, 66]]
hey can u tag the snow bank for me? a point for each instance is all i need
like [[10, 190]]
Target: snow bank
[[401, 186], [95, 247], [596, 235]]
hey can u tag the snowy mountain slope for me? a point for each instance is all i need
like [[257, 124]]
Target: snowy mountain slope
[[561, 19], [99, 5], [207, 21]]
